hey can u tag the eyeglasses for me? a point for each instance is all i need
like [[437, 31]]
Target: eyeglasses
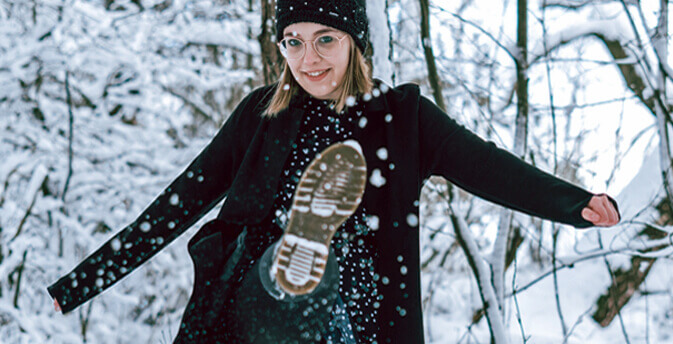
[[293, 48]]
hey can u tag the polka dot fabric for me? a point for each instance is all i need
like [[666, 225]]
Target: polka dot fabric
[[353, 241]]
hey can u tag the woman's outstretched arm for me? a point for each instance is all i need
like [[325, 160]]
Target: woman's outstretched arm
[[191, 195], [450, 150]]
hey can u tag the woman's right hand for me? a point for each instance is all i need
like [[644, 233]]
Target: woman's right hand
[[57, 307]]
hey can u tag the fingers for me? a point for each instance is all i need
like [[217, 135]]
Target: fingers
[[57, 307], [590, 215], [610, 211], [601, 212]]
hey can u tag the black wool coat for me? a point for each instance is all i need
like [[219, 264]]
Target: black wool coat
[[244, 160]]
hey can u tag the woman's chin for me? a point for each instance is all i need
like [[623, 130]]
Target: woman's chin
[[320, 92]]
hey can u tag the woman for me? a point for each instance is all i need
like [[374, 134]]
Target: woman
[[323, 97]]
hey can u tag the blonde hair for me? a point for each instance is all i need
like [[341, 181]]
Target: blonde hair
[[356, 81]]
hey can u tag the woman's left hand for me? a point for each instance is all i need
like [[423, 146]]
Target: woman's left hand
[[601, 212]]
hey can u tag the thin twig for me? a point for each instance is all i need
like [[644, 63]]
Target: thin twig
[[549, 86], [555, 234], [647, 314], [84, 320], [614, 282], [482, 30], [577, 322], [28, 212], [6, 186], [18, 280], [70, 133], [516, 301], [600, 253]]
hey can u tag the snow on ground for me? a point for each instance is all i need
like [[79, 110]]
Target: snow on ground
[[646, 319]]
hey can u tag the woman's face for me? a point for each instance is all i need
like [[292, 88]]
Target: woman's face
[[331, 69]]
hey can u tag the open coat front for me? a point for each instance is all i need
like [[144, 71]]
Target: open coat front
[[244, 162]]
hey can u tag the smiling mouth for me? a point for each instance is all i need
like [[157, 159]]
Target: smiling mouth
[[317, 73]]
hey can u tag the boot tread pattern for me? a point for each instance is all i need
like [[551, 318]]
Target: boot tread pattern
[[329, 192]]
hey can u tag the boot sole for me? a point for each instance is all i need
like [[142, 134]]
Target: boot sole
[[328, 193]]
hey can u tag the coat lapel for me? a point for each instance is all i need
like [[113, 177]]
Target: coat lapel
[[256, 182]]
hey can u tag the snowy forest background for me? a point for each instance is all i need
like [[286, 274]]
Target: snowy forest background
[[104, 102]]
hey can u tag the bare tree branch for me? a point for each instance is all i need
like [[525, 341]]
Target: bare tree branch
[[70, 134], [426, 41]]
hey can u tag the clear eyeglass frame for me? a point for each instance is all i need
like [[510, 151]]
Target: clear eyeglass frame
[[283, 51]]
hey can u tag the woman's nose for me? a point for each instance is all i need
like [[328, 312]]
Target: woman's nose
[[311, 55]]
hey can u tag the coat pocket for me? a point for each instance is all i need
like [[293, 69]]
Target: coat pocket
[[215, 251]]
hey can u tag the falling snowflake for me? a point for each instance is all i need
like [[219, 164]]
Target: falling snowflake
[[412, 220], [372, 222], [377, 178], [382, 153], [363, 122]]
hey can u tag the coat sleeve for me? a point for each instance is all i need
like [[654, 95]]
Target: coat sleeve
[[191, 195], [450, 150]]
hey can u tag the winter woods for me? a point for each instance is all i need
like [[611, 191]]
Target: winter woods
[[102, 103]]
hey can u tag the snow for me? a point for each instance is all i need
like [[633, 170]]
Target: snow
[[377, 179], [362, 122], [379, 36], [382, 153]]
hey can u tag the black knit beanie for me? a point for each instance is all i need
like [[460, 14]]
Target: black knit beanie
[[346, 15]]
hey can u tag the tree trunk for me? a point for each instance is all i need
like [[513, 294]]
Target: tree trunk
[[660, 43], [426, 40], [379, 40], [249, 58], [271, 58], [498, 257]]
